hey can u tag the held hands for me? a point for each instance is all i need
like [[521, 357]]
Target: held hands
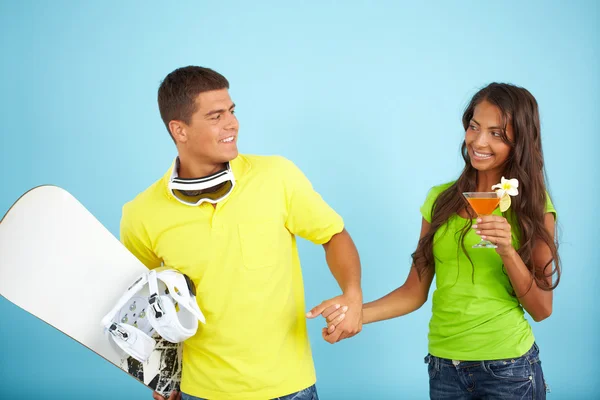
[[343, 314], [175, 395], [497, 230]]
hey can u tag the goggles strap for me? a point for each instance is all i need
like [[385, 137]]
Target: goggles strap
[[195, 191]]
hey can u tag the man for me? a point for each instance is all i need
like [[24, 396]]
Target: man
[[230, 221]]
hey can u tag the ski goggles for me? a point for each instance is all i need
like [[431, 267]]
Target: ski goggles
[[210, 189]]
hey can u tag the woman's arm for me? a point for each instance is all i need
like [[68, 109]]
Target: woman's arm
[[535, 300], [404, 300]]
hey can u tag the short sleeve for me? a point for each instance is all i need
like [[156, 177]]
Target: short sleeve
[[135, 238], [432, 195], [550, 207], [308, 215]]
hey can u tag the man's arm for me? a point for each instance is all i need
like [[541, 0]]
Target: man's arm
[[135, 238], [311, 218], [344, 263]]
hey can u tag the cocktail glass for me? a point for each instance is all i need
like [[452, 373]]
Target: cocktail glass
[[483, 203]]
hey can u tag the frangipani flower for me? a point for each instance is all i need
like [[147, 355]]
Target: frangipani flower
[[507, 186], [505, 189]]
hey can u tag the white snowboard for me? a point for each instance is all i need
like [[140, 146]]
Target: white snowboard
[[56, 257]]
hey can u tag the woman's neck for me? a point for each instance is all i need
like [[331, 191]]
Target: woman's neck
[[487, 179]]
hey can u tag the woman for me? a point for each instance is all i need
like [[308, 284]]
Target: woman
[[480, 344]]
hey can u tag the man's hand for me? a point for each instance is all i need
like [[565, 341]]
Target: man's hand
[[343, 314], [175, 395]]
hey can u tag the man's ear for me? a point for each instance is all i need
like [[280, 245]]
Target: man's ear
[[178, 130]]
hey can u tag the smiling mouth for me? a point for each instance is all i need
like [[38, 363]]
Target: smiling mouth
[[482, 156], [229, 139]]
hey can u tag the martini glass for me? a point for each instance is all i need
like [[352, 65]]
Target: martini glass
[[483, 203]]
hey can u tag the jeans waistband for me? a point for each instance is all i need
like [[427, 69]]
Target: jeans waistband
[[532, 355]]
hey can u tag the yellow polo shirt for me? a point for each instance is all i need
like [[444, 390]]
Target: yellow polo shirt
[[243, 259]]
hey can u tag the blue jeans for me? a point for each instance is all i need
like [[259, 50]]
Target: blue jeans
[[518, 378], [310, 393]]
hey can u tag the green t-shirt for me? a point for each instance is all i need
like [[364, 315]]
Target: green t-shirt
[[475, 316]]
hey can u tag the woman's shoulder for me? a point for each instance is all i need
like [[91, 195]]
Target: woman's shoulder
[[436, 190], [432, 195]]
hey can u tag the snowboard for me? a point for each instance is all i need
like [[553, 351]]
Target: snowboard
[[54, 256]]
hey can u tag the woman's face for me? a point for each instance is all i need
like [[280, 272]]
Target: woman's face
[[483, 137]]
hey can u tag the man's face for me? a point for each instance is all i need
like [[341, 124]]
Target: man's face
[[211, 135]]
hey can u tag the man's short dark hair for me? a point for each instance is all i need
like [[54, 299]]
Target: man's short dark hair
[[178, 92]]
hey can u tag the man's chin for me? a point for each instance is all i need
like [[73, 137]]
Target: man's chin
[[231, 155]]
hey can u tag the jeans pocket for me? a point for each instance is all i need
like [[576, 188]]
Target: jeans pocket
[[431, 369], [515, 370], [185, 396], [310, 393], [533, 355]]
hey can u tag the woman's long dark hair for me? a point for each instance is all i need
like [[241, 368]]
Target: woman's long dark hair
[[525, 162]]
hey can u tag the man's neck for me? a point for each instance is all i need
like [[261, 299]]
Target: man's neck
[[189, 169]]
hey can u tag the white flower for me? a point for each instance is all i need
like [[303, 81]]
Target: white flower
[[507, 186]]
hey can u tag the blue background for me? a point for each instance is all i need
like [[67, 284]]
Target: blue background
[[366, 98]]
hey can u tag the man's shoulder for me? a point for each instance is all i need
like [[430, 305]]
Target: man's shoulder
[[273, 164], [265, 160], [146, 199]]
